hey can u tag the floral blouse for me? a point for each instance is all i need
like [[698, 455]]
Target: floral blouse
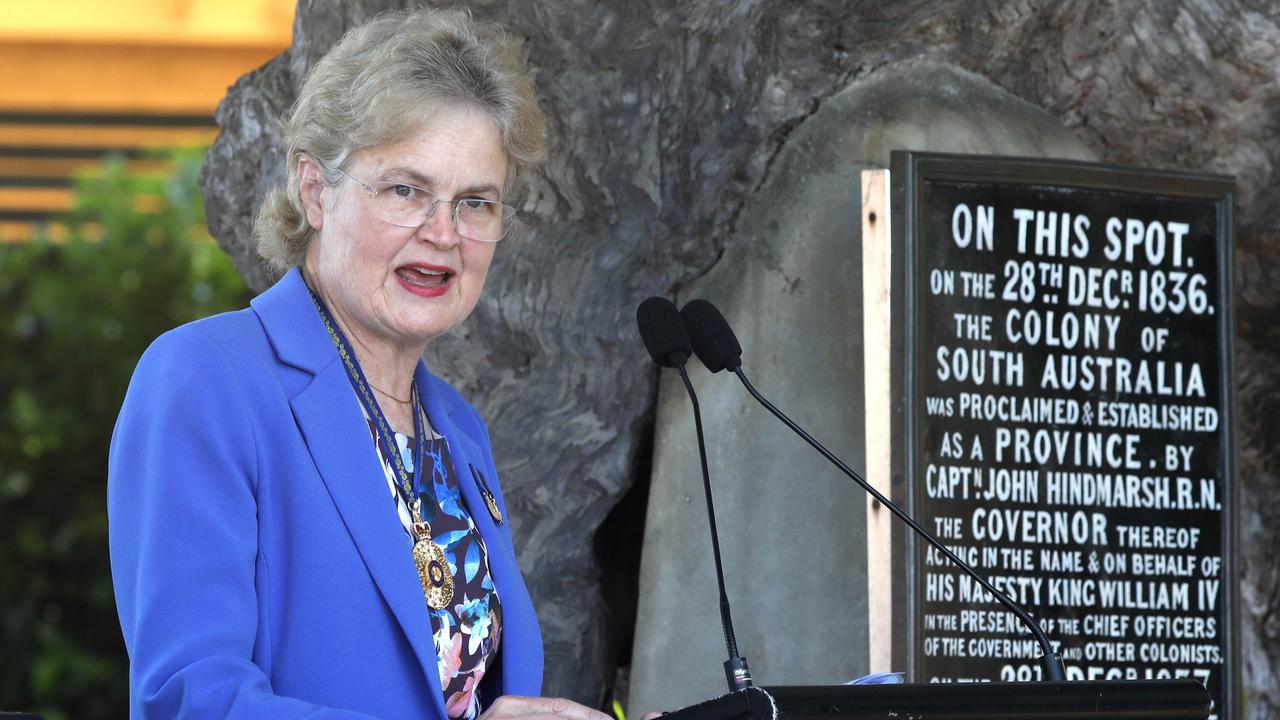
[[468, 631]]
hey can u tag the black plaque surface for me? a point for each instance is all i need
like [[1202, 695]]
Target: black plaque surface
[[1067, 418]]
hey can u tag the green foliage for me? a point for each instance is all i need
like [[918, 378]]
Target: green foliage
[[77, 315]]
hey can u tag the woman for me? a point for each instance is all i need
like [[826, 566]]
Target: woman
[[304, 521]]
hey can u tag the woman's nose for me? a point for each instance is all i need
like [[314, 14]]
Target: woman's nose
[[439, 228]]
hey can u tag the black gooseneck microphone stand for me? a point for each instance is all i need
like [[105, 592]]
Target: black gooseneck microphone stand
[[735, 668], [1050, 663], [717, 347], [666, 339]]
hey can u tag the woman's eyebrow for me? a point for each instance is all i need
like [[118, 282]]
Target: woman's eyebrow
[[481, 189], [417, 177], [427, 182]]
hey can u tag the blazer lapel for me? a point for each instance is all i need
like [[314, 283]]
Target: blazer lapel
[[521, 669], [338, 438]]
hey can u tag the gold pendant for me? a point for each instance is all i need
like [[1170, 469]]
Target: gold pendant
[[433, 568], [492, 504]]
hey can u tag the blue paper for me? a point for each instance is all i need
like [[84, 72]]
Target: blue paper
[[880, 678]]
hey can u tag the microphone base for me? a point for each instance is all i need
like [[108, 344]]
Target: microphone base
[[1051, 668], [737, 673], [750, 703]]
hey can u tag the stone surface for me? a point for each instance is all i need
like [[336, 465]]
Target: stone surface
[[792, 529], [666, 117], [1259, 433]]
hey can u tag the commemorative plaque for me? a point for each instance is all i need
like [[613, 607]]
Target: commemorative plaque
[[1050, 391]]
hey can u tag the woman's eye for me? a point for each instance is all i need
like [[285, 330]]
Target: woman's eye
[[404, 192], [477, 205]]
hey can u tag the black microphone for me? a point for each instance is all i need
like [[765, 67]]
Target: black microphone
[[717, 347], [663, 332]]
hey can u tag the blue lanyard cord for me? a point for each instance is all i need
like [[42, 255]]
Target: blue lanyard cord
[[370, 404]]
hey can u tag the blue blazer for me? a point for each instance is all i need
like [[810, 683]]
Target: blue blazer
[[260, 568]]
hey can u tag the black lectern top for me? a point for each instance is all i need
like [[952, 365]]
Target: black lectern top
[[1127, 700]]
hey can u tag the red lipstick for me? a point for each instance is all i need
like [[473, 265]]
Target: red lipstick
[[425, 280]]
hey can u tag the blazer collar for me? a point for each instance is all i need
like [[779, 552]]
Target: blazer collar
[[292, 324]]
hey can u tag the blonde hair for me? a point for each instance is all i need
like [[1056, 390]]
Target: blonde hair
[[381, 82]]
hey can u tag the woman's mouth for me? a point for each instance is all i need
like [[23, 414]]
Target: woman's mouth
[[425, 280]]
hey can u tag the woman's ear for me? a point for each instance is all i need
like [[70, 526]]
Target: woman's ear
[[310, 186]]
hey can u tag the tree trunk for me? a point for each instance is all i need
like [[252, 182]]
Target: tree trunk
[[665, 117]]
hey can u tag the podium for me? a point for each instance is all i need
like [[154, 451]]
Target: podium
[[1122, 699]]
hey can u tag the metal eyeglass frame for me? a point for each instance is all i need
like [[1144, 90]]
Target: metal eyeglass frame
[[507, 210]]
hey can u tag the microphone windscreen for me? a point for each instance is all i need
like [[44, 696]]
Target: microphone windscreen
[[663, 332], [713, 340]]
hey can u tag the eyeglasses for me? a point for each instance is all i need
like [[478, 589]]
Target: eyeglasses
[[410, 206]]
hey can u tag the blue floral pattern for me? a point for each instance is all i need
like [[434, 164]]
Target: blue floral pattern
[[467, 632]]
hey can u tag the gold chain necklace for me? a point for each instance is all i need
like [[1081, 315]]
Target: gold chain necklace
[[406, 401]]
